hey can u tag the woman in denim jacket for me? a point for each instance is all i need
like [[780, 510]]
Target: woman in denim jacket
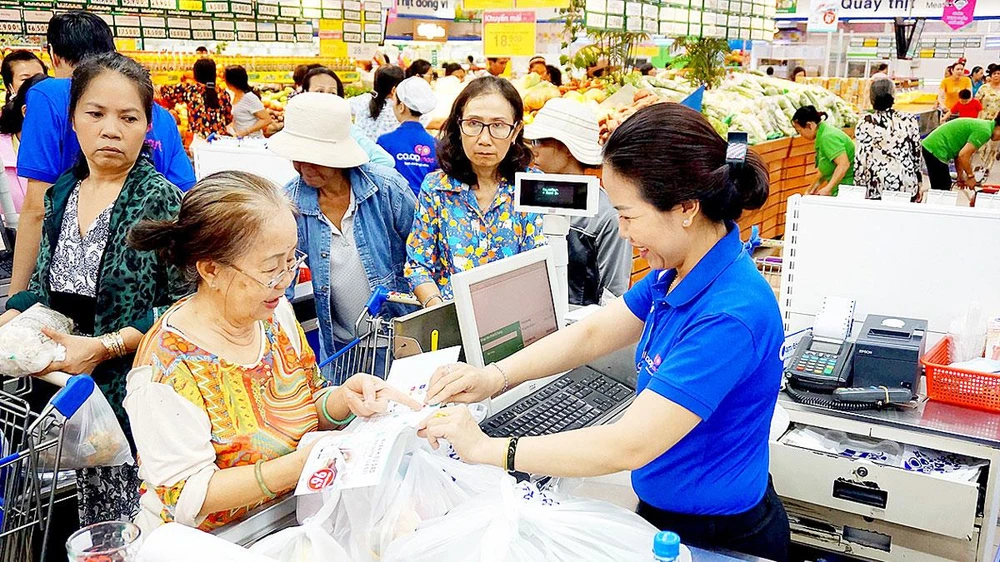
[[353, 220]]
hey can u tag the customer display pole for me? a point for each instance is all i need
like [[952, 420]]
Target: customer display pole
[[556, 229]]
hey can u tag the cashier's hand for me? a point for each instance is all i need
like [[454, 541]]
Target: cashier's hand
[[456, 425], [83, 354], [463, 383], [366, 395]]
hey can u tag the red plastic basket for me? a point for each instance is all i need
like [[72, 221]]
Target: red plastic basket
[[959, 386]]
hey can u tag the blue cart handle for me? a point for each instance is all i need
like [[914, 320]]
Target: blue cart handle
[[69, 399]]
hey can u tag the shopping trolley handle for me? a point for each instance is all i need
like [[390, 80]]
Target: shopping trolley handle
[[381, 295], [69, 399]]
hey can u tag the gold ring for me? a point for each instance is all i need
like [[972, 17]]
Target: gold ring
[[440, 415]]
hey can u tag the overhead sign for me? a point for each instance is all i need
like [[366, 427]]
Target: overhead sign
[[824, 18], [958, 13], [444, 9], [885, 9], [509, 33]]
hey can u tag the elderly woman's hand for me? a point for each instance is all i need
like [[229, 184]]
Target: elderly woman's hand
[[367, 396]]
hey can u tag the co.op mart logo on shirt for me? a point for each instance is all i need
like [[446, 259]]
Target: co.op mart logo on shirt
[[420, 154], [652, 363]]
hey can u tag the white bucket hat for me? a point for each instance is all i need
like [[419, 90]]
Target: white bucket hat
[[571, 123], [318, 131]]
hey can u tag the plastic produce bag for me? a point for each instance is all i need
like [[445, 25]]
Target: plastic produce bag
[[309, 542], [518, 523], [24, 349], [92, 435], [425, 485]]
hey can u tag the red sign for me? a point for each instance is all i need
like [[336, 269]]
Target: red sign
[[322, 478]]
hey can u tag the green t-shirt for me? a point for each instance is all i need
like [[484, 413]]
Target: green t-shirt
[[949, 139], [831, 142]]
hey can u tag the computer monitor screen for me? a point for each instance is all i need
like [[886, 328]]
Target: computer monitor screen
[[506, 306]]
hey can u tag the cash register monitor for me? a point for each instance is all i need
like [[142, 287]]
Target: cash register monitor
[[506, 305]]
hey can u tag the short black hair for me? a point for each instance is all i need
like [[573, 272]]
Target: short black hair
[[202, 49], [797, 70], [7, 67], [92, 68], [645, 67], [673, 154], [451, 154], [325, 72], [205, 72], [419, 67], [12, 117], [452, 68], [386, 79], [770, 71], [74, 36], [965, 94], [882, 67]]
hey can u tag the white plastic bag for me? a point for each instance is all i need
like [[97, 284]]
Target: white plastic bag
[[517, 523], [24, 349], [423, 486], [92, 435], [308, 542]]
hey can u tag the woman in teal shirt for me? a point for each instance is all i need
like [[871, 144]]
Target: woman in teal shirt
[[834, 151]]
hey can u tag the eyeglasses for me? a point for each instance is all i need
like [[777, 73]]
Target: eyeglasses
[[498, 130], [300, 257]]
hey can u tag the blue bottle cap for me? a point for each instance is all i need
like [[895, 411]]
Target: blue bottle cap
[[666, 545]]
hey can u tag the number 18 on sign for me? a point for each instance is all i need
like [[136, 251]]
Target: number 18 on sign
[[509, 33]]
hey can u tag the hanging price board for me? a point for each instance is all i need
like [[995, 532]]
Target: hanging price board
[[509, 33], [487, 4]]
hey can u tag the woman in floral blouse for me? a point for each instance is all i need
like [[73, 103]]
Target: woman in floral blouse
[[209, 108], [888, 147], [465, 213]]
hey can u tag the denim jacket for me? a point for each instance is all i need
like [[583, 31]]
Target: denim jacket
[[382, 223]]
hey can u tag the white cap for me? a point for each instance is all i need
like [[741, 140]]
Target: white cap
[[416, 94], [571, 123]]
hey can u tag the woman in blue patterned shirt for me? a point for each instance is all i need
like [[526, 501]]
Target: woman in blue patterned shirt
[[465, 212]]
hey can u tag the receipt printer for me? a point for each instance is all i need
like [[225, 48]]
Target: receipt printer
[[888, 351]]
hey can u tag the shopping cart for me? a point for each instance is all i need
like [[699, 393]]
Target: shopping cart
[[371, 351], [29, 489]]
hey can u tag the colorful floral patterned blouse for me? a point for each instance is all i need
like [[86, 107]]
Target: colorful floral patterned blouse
[[202, 120], [451, 233], [194, 413]]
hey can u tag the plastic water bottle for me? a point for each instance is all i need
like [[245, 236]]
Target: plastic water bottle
[[667, 547]]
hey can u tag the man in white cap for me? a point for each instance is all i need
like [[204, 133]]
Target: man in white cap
[[564, 139], [410, 145], [354, 217]]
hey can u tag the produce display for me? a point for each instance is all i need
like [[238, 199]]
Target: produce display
[[748, 102]]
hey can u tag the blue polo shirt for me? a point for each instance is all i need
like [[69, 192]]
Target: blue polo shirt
[[49, 145], [412, 149], [711, 346]]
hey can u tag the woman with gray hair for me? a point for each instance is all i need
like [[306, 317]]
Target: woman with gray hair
[[888, 147]]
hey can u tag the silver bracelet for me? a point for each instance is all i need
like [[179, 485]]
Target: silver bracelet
[[430, 298], [506, 381]]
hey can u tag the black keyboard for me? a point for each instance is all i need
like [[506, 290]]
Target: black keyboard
[[577, 399], [6, 267]]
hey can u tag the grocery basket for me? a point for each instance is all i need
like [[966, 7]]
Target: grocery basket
[[973, 389], [371, 351], [28, 490], [770, 265]]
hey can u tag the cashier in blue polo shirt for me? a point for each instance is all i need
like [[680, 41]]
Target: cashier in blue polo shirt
[[410, 145], [708, 333]]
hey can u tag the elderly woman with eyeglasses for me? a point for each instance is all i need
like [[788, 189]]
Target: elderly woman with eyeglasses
[[225, 385], [465, 213]]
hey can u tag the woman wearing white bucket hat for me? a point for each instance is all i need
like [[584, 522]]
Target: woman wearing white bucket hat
[[564, 140], [353, 220]]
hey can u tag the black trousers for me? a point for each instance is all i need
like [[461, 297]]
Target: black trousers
[[937, 171], [762, 531]]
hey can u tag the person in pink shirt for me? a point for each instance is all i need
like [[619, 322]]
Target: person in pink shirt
[[11, 122]]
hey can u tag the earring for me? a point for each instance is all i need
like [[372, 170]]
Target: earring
[[687, 222]]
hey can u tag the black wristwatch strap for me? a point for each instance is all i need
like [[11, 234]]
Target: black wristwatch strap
[[511, 452]]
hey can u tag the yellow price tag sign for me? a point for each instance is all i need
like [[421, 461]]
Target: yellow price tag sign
[[534, 4], [191, 5], [509, 33]]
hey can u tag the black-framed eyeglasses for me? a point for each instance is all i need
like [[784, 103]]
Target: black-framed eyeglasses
[[498, 129], [300, 257]]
